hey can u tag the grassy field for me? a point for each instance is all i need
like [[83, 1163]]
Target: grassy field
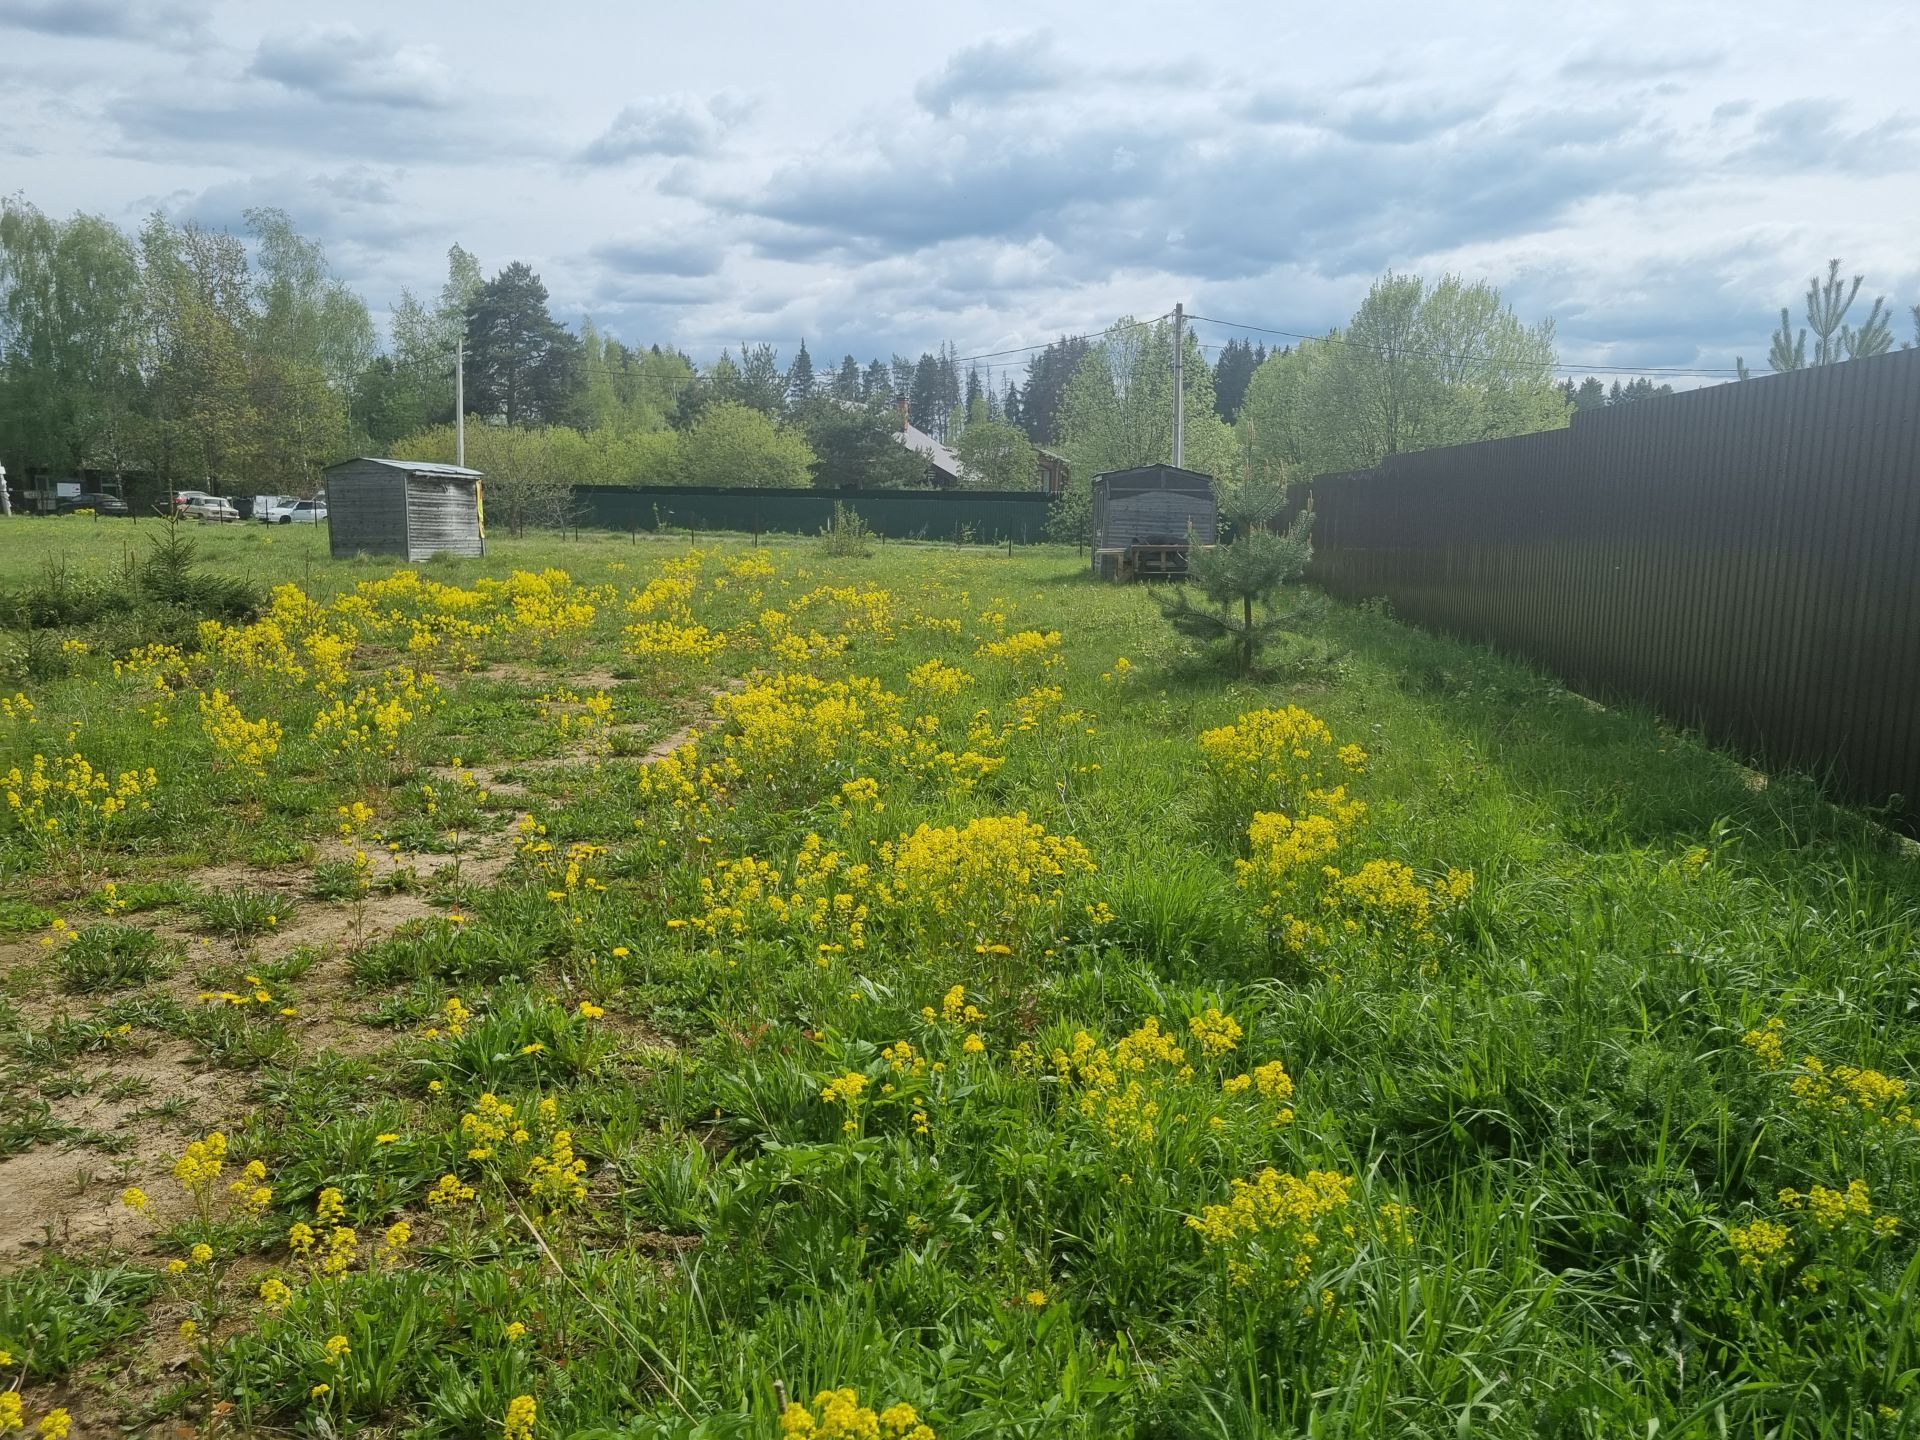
[[623, 988]]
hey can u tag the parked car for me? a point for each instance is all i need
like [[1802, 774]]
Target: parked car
[[304, 512], [208, 508], [98, 502], [176, 501]]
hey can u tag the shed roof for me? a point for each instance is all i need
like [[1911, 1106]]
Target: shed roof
[[1156, 477], [412, 467]]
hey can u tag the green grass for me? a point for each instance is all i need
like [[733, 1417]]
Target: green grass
[[114, 957], [1552, 1074]]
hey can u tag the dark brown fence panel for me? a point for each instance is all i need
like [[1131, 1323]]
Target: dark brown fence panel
[[1743, 558]]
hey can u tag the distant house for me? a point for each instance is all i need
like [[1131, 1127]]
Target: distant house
[[944, 470], [413, 508], [1052, 466]]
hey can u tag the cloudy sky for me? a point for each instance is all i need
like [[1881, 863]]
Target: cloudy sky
[[1659, 178]]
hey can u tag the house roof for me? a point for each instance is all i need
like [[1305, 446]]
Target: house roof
[[412, 467], [917, 440]]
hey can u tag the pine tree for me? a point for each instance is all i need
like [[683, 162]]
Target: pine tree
[[525, 366], [846, 384], [876, 386], [923, 394], [800, 378], [1242, 577], [1834, 340], [1231, 376]]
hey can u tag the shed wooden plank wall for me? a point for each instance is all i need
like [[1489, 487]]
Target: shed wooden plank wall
[[366, 510], [442, 518], [1156, 517]]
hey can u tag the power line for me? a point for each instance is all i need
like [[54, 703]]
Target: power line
[[1446, 355]]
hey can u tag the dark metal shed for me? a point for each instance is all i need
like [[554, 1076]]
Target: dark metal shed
[[414, 508], [1144, 519]]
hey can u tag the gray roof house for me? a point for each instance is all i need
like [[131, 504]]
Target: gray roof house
[[414, 508]]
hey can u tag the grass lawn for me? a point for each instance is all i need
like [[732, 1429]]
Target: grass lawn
[[624, 988]]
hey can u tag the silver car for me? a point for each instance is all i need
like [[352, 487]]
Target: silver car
[[209, 508]]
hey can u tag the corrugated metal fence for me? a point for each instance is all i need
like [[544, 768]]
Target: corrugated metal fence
[[1744, 559], [982, 516]]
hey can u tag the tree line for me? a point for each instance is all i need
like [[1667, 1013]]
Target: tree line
[[241, 362]]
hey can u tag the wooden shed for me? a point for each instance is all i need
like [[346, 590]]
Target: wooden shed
[[1146, 519], [414, 508]]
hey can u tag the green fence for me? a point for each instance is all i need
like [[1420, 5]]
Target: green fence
[[982, 516]]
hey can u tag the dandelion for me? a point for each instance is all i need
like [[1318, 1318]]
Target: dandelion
[[590, 1011], [319, 1390], [1036, 1298], [385, 1138]]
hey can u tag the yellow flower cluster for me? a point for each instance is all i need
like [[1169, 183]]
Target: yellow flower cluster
[[1282, 847], [1832, 1209], [1768, 1043], [583, 721], [825, 896], [849, 1090], [449, 1193], [1385, 898], [674, 640], [1024, 648], [555, 1178], [490, 1122], [955, 1009], [1853, 1094], [839, 1415], [200, 1164], [1217, 1032], [521, 1415], [938, 678], [74, 800], [55, 1424], [993, 876], [1762, 1245], [378, 720], [851, 610], [1273, 1223], [1269, 755]]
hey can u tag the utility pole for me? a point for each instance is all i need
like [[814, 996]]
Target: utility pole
[[460, 401], [1179, 386]]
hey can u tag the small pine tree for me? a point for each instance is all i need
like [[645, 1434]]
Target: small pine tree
[[1243, 576]]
